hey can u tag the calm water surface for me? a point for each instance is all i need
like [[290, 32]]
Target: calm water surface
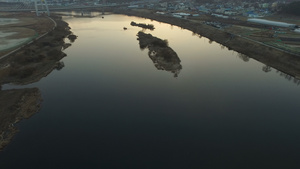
[[109, 107]]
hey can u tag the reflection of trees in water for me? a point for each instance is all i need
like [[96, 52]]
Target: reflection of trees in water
[[289, 77], [60, 65], [222, 47], [245, 58], [266, 68], [196, 34], [72, 38], [163, 57]]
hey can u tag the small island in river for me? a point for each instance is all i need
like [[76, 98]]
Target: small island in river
[[142, 25], [229, 37], [163, 57]]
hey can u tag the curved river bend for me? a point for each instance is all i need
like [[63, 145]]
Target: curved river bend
[[112, 106]]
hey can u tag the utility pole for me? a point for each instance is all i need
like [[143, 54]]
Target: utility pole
[[43, 3]]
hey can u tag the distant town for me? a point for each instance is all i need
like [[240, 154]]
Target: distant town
[[149, 83], [248, 8], [261, 21]]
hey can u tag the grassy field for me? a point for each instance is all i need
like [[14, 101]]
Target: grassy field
[[18, 29]]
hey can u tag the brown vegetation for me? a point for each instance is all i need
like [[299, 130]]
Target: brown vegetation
[[163, 57], [142, 25], [15, 105], [29, 64], [38, 59]]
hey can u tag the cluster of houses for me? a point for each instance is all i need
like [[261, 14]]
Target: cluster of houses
[[249, 9], [234, 8], [217, 8], [193, 7]]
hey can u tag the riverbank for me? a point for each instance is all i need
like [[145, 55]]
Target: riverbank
[[278, 59], [37, 59], [16, 105], [17, 29], [26, 65]]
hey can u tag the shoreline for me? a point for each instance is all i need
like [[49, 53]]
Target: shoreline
[[276, 58], [270, 56], [25, 65], [16, 105], [37, 58]]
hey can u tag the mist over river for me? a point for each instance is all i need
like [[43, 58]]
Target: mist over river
[[115, 105]]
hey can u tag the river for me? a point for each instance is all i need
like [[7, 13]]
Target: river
[[111, 107]]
